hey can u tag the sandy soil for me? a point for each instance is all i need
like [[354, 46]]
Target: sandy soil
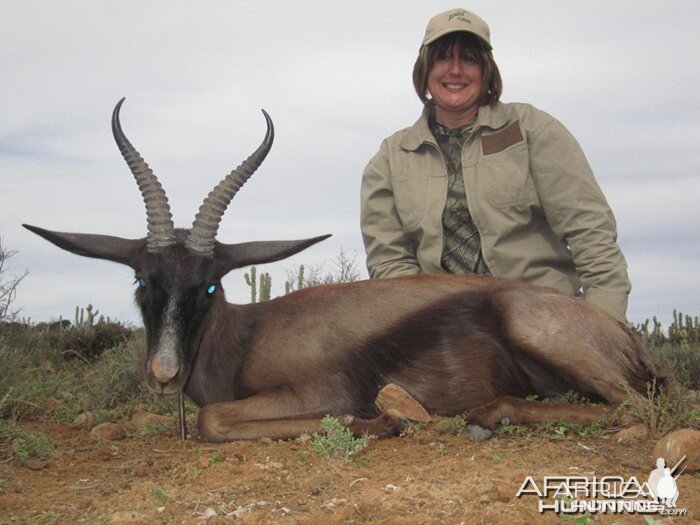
[[423, 477]]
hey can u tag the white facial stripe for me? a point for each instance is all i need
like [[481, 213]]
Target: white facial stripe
[[168, 342]]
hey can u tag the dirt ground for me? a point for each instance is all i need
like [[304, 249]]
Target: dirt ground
[[423, 477]]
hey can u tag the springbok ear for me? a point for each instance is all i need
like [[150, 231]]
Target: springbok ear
[[231, 256], [124, 251]]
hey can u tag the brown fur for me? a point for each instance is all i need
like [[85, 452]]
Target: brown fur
[[457, 344]]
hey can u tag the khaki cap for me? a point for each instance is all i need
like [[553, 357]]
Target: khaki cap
[[456, 20]]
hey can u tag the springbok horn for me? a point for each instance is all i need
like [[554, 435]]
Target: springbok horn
[[206, 222], [161, 230]]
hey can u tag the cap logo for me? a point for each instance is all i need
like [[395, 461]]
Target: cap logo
[[459, 15]]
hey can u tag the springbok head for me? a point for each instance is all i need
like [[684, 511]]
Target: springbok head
[[178, 271]]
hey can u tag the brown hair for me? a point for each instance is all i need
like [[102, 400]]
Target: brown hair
[[471, 47]]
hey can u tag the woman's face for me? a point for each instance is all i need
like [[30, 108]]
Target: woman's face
[[454, 82]]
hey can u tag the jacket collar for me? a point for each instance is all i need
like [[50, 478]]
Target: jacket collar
[[491, 117]]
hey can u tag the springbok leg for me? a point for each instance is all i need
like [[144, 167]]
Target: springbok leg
[[516, 411]]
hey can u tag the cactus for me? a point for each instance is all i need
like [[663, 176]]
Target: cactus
[[80, 318], [654, 337], [251, 280], [265, 286], [684, 330], [258, 292]]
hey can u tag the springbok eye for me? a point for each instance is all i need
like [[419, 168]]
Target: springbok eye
[[211, 289], [141, 283]]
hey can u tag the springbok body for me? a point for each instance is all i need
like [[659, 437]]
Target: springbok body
[[273, 369]]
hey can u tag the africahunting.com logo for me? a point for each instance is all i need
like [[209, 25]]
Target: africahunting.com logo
[[608, 494]]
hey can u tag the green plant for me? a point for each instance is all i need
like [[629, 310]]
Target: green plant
[[336, 440], [81, 320], [661, 410], [29, 377], [684, 329], [677, 347], [512, 430], [564, 429], [87, 339], [15, 442], [47, 517], [154, 430], [682, 360], [218, 457], [160, 495], [265, 285], [452, 425]]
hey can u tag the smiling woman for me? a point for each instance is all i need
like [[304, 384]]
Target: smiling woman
[[478, 186], [455, 81]]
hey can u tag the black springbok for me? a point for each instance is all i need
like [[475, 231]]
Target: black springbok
[[455, 343]]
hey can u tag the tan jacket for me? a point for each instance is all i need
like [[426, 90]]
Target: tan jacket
[[532, 195]]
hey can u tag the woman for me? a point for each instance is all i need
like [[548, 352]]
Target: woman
[[480, 186]]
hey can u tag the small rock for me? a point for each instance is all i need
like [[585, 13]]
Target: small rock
[[84, 420], [393, 397], [319, 483], [633, 433], [335, 503], [674, 446], [35, 464], [477, 433], [109, 431]]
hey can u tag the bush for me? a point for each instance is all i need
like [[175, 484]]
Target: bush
[[16, 443], [336, 440], [8, 287]]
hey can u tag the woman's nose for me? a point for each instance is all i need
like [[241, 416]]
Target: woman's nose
[[455, 63]]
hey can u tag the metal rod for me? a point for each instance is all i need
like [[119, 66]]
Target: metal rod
[[181, 414]]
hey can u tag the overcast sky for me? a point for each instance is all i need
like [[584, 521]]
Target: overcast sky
[[336, 78]]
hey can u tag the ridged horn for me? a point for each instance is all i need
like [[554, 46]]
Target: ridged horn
[[206, 222], [161, 230]]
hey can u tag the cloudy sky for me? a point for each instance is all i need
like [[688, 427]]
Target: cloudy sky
[[336, 78]]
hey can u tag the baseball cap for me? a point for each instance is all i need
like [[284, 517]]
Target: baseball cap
[[457, 20]]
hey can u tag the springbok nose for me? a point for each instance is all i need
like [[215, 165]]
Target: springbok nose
[[164, 367]]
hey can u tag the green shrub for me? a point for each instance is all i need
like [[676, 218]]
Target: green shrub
[[453, 425], [661, 410], [336, 440], [682, 360], [89, 341], [16, 443], [31, 376]]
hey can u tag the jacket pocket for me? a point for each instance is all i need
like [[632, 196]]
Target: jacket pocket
[[505, 177], [409, 197]]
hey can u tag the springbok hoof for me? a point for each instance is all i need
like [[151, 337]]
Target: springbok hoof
[[394, 398]]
